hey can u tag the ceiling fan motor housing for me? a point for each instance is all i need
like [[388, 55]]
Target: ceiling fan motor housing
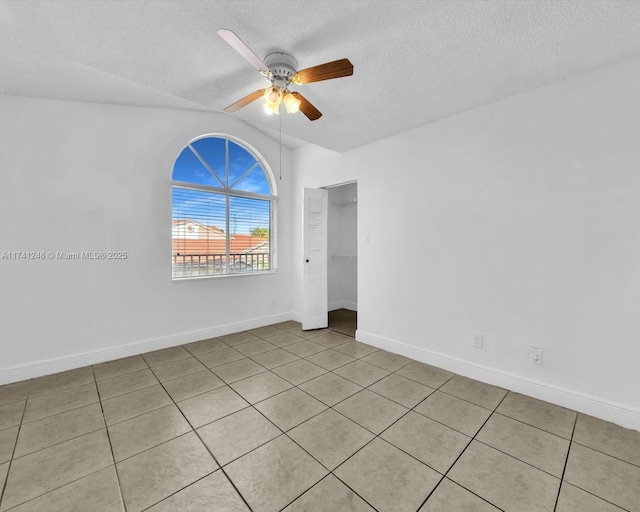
[[281, 69], [282, 65]]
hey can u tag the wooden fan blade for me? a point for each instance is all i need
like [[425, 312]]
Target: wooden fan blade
[[335, 69], [307, 108], [238, 45], [245, 101]]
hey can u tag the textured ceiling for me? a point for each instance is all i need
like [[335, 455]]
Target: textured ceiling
[[415, 61]]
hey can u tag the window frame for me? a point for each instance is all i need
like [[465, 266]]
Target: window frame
[[228, 191]]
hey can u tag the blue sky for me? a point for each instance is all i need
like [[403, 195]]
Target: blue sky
[[212, 150], [209, 208]]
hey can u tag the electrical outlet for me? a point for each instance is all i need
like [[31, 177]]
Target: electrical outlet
[[535, 355], [476, 339]]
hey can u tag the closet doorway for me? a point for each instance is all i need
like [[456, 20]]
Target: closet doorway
[[342, 258]]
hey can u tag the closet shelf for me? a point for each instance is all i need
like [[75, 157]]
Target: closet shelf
[[351, 200]]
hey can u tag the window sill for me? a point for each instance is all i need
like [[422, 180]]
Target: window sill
[[222, 276]]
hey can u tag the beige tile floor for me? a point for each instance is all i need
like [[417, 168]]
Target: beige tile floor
[[280, 419]]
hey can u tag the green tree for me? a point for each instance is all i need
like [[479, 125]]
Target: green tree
[[260, 232]]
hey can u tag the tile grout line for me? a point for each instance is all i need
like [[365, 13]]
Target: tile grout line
[[60, 412], [113, 456], [430, 394], [599, 497], [60, 442], [462, 453], [503, 415], [465, 449], [383, 430], [391, 425], [367, 388], [174, 493], [412, 409], [317, 483], [520, 460], [395, 401], [440, 423], [533, 426], [197, 434], [15, 445], [22, 423], [285, 433], [52, 490], [202, 392], [56, 444], [566, 461], [363, 387], [119, 360], [155, 445], [252, 449], [332, 471], [375, 436], [115, 465], [463, 399], [129, 392], [605, 453], [193, 429]]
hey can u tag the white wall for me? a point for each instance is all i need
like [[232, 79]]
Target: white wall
[[519, 220], [342, 271], [78, 176]]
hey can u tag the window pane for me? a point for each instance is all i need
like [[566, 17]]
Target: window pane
[[212, 150], [198, 233], [249, 234], [255, 181], [214, 232], [189, 169], [240, 161]]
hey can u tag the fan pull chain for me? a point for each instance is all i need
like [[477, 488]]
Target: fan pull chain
[[280, 147]]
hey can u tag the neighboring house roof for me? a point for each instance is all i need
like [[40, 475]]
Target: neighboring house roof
[[261, 247], [215, 240], [238, 244], [216, 228], [213, 229], [195, 246], [245, 243]]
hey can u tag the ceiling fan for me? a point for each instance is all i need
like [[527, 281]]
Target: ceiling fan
[[280, 70]]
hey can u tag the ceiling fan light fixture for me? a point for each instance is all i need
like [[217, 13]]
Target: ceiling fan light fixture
[[271, 108], [273, 95], [291, 103], [281, 69]]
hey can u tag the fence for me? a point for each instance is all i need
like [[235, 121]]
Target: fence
[[193, 265]]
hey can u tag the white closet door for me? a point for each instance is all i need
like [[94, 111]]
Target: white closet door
[[314, 312]]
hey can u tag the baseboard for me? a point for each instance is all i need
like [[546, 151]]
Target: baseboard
[[60, 364], [351, 306], [607, 410]]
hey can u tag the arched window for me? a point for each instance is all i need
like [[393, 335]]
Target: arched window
[[224, 210]]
